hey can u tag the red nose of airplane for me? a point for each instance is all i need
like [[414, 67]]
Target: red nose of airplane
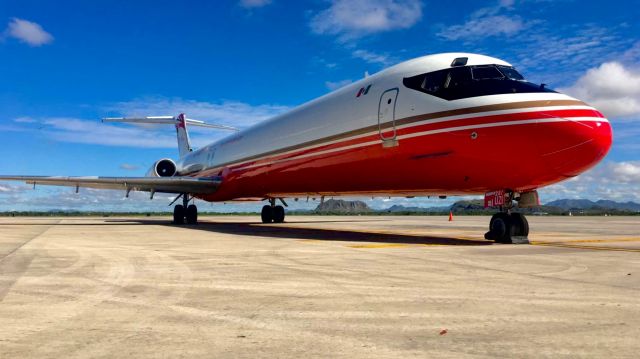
[[572, 145]]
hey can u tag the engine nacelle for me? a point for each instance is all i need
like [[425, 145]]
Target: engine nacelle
[[163, 168]]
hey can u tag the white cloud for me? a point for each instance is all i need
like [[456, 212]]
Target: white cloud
[[626, 172], [487, 22], [372, 58], [76, 130], [6, 188], [46, 198], [356, 18], [231, 113], [129, 167], [28, 32], [612, 88], [93, 132], [476, 28], [632, 55], [558, 55], [619, 181], [250, 4], [24, 119], [337, 84], [319, 61], [492, 10]]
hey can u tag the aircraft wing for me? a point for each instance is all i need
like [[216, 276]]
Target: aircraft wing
[[149, 184]]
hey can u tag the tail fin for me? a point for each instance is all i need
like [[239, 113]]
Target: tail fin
[[180, 122], [184, 145]]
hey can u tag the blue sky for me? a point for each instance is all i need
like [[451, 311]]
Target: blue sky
[[65, 64]]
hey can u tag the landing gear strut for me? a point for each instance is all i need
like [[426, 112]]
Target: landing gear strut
[[272, 213], [508, 227], [185, 211]]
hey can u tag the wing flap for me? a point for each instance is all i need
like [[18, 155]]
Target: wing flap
[[156, 184]]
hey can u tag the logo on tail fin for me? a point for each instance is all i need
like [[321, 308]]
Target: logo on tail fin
[[182, 122]]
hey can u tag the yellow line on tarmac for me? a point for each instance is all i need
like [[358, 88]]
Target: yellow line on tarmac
[[598, 248], [601, 240]]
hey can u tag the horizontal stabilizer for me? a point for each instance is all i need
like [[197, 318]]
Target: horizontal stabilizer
[[169, 120]]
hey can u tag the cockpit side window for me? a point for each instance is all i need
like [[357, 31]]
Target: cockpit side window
[[471, 81]]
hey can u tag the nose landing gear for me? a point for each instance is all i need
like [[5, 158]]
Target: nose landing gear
[[506, 227], [510, 227]]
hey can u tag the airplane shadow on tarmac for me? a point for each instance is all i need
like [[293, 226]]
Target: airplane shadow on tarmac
[[341, 235], [283, 231]]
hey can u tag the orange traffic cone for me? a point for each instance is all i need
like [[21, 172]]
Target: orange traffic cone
[[450, 216]]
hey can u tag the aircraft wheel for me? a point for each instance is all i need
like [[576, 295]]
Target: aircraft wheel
[[520, 225], [178, 214], [267, 214], [278, 214], [192, 214], [500, 228]]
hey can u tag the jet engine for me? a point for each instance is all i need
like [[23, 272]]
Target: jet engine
[[163, 168]]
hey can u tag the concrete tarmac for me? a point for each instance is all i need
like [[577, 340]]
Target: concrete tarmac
[[317, 287]]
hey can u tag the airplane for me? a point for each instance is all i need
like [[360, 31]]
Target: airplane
[[439, 125]]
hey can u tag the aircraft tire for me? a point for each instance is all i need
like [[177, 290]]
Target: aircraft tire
[[267, 214], [500, 228], [278, 214], [520, 225], [178, 214], [192, 214]]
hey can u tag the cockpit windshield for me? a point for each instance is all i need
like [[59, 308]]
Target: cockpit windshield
[[486, 73], [510, 72], [471, 81]]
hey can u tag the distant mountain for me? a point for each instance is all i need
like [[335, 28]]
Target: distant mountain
[[629, 206], [342, 206], [470, 207], [585, 204], [396, 208], [475, 205], [568, 204]]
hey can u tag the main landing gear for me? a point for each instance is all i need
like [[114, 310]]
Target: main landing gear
[[510, 227], [272, 213], [185, 212]]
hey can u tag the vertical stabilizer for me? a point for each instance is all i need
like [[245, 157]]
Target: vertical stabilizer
[[184, 145]]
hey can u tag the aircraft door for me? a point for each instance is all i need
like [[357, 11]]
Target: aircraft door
[[387, 117]]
